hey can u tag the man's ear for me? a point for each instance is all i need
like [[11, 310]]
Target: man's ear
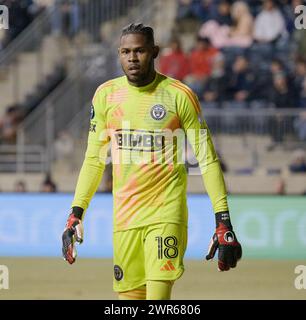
[[155, 51]]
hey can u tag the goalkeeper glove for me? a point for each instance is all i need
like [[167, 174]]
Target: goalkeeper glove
[[73, 232], [225, 240]]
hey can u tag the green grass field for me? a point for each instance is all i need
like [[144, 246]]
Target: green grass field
[[42, 278]]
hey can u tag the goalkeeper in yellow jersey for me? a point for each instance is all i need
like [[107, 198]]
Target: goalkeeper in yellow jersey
[[145, 116]]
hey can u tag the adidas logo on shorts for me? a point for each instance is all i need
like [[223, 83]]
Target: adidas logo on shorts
[[168, 266]]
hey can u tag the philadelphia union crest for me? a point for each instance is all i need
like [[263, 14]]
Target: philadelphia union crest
[[158, 112], [118, 273]]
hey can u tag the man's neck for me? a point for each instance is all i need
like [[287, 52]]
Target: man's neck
[[145, 82]]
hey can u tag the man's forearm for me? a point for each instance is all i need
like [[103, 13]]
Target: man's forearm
[[210, 168], [215, 186], [89, 179]]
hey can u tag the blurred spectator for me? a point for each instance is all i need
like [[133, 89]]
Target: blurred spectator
[[269, 23], [214, 89], [298, 163], [200, 62], [240, 81], [281, 96], [184, 9], [264, 78], [217, 28], [223, 13], [9, 124], [300, 83], [276, 67], [199, 9], [276, 130], [240, 34], [65, 19], [173, 62], [300, 126], [20, 186], [216, 33], [48, 185], [299, 37], [284, 84], [203, 9]]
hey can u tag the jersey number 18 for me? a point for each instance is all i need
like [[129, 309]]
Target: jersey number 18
[[167, 247]]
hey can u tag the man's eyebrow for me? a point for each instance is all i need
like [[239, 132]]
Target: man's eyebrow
[[133, 48]]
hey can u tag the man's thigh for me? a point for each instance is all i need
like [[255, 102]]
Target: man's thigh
[[164, 249], [129, 267]]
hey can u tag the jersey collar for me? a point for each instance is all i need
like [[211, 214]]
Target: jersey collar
[[147, 87]]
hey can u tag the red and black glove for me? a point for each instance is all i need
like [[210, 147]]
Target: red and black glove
[[224, 239], [73, 232]]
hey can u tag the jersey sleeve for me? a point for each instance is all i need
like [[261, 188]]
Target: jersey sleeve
[[199, 137], [95, 157]]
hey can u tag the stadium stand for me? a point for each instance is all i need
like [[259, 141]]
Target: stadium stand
[[253, 98], [251, 84]]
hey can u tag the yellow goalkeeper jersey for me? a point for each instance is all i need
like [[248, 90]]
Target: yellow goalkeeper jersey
[[146, 127]]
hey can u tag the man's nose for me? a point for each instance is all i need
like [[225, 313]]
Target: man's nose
[[133, 56]]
